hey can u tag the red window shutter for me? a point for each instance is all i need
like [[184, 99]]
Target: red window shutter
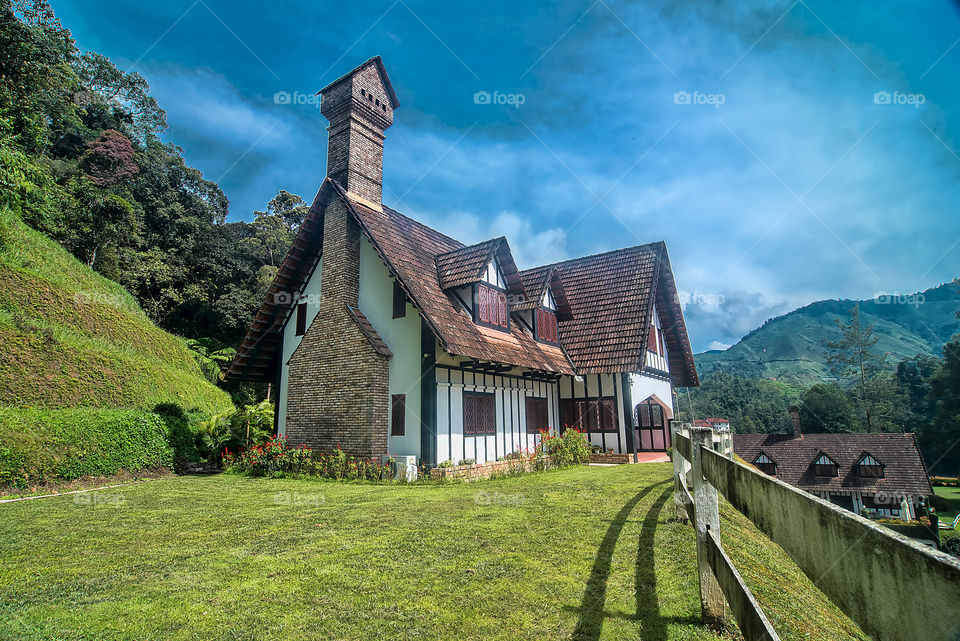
[[652, 339], [502, 300], [608, 422], [482, 303], [492, 302]]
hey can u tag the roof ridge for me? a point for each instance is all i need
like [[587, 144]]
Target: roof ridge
[[597, 255]]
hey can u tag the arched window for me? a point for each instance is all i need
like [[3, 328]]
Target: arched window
[[824, 466], [765, 464], [869, 468]]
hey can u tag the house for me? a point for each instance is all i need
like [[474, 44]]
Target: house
[[878, 474], [384, 335], [720, 424]]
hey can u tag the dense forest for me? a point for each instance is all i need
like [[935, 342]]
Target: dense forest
[[82, 160]]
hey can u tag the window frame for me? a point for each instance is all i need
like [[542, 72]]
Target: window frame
[[483, 429], [301, 320], [399, 301], [398, 408], [820, 469], [482, 310], [552, 336], [590, 415], [873, 470], [542, 412], [768, 467]]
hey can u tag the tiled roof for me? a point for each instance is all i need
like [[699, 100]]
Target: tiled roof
[[409, 249], [904, 471], [535, 283], [603, 301], [364, 324], [466, 265], [610, 298]]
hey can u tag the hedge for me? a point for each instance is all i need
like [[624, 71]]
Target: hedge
[[41, 445]]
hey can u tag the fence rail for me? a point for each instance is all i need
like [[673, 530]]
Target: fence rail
[[894, 588]]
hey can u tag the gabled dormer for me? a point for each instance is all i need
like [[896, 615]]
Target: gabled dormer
[[765, 464], [868, 467], [826, 467], [484, 279], [545, 305]]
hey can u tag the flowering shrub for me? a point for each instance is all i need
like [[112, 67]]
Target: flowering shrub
[[277, 456], [569, 448]]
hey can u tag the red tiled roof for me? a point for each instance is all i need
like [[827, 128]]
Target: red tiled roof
[[904, 471]]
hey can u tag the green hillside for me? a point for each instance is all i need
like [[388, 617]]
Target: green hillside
[[79, 355], [790, 347]]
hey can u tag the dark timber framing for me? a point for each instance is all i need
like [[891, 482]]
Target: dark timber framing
[[428, 395]]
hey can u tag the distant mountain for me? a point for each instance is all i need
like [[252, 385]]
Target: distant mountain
[[790, 347]]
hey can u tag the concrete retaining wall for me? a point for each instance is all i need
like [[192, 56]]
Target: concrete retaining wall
[[894, 588]]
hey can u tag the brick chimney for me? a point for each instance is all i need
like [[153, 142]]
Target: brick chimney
[[795, 418], [359, 107]]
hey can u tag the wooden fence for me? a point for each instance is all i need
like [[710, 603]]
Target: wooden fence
[[894, 588]]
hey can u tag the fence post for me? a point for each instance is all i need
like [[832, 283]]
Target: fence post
[[706, 514], [679, 475]]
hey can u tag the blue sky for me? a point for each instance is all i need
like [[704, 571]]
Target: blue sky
[[751, 138]]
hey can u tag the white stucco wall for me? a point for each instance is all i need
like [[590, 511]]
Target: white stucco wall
[[643, 386], [310, 296], [402, 336]]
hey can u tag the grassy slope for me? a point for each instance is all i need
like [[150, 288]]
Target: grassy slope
[[73, 338], [790, 347], [587, 553]]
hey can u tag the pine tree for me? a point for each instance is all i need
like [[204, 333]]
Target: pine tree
[[856, 362]]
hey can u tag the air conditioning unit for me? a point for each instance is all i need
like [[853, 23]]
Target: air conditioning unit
[[406, 467]]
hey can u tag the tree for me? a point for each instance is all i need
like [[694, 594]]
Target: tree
[[913, 391], [855, 360], [825, 408], [942, 438]]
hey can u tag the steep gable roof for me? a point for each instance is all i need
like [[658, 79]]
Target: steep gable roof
[[904, 471], [535, 284], [611, 297], [604, 301], [466, 265]]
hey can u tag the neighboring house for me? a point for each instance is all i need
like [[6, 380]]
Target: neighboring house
[[384, 335], [882, 475], [720, 424]]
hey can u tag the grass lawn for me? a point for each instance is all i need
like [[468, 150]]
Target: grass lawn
[[952, 497], [584, 553]]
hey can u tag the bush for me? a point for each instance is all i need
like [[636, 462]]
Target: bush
[[39, 445], [235, 430], [570, 448], [277, 457]]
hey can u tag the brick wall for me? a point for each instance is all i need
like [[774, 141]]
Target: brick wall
[[479, 471], [338, 392], [359, 111]]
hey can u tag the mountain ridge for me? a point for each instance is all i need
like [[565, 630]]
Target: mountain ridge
[[790, 347]]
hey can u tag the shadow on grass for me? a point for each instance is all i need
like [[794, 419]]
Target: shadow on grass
[[591, 608]]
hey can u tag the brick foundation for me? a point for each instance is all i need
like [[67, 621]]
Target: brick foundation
[[486, 470]]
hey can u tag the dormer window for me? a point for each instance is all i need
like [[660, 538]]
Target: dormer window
[[491, 308], [869, 468], [765, 464], [824, 466], [545, 325]]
